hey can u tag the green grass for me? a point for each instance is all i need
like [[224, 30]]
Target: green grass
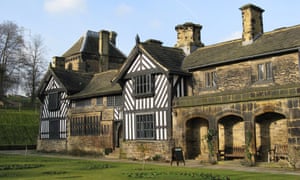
[[37, 167], [18, 127]]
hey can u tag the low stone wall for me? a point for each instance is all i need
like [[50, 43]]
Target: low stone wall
[[89, 144], [146, 149], [47, 145]]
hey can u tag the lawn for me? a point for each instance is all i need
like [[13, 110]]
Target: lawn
[[38, 167]]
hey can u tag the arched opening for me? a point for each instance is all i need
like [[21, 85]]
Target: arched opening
[[196, 145], [231, 135], [270, 129]]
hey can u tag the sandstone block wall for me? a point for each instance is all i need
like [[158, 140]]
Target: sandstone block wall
[[47, 145], [146, 149]]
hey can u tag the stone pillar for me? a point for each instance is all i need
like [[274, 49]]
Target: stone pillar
[[294, 134], [249, 137]]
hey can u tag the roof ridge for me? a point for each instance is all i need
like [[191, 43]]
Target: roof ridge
[[281, 29], [106, 72], [220, 44], [277, 30]]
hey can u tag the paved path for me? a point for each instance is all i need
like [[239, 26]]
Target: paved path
[[229, 165]]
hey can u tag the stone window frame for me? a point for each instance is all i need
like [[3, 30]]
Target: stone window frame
[[210, 80], [85, 125], [83, 103], [265, 72], [99, 101]]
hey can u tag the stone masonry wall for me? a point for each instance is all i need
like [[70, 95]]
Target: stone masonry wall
[[47, 145], [273, 121], [146, 149], [243, 75]]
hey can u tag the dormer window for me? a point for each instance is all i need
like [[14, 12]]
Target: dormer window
[[143, 85]]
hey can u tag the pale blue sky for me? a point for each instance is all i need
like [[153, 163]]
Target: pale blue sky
[[62, 22]]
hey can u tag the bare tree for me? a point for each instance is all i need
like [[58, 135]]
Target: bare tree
[[11, 44], [34, 65]]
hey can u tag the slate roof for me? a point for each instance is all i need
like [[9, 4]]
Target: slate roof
[[72, 82], [89, 43], [100, 85], [277, 41], [167, 58]]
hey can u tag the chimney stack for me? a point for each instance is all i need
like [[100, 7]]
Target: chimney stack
[[113, 37], [252, 23], [103, 50], [188, 37], [58, 62]]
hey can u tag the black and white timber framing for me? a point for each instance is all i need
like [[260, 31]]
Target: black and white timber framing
[[54, 119], [149, 114], [54, 91]]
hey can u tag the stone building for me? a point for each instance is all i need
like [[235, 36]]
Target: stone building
[[94, 119], [246, 91], [234, 99]]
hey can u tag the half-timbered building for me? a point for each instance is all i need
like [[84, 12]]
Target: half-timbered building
[[151, 77], [69, 74], [234, 99], [57, 85]]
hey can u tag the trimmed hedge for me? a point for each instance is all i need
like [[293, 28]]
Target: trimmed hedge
[[18, 127]]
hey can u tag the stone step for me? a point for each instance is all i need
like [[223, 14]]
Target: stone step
[[115, 154]]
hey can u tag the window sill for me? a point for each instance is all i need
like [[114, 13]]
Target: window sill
[[137, 96], [263, 83]]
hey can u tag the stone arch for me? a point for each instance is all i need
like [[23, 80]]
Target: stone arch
[[196, 129], [269, 108], [270, 128], [195, 114], [231, 132], [228, 112]]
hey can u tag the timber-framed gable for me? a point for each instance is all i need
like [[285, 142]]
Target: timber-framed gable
[[148, 79]]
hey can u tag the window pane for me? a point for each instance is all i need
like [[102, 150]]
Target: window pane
[[118, 100], [100, 101], [145, 126], [269, 73], [53, 103], [207, 79], [260, 72], [143, 85], [210, 79]]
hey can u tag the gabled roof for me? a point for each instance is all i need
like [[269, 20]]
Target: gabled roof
[[71, 82], [100, 85], [277, 41], [168, 59], [89, 43]]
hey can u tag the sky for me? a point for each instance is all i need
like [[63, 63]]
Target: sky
[[61, 23]]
